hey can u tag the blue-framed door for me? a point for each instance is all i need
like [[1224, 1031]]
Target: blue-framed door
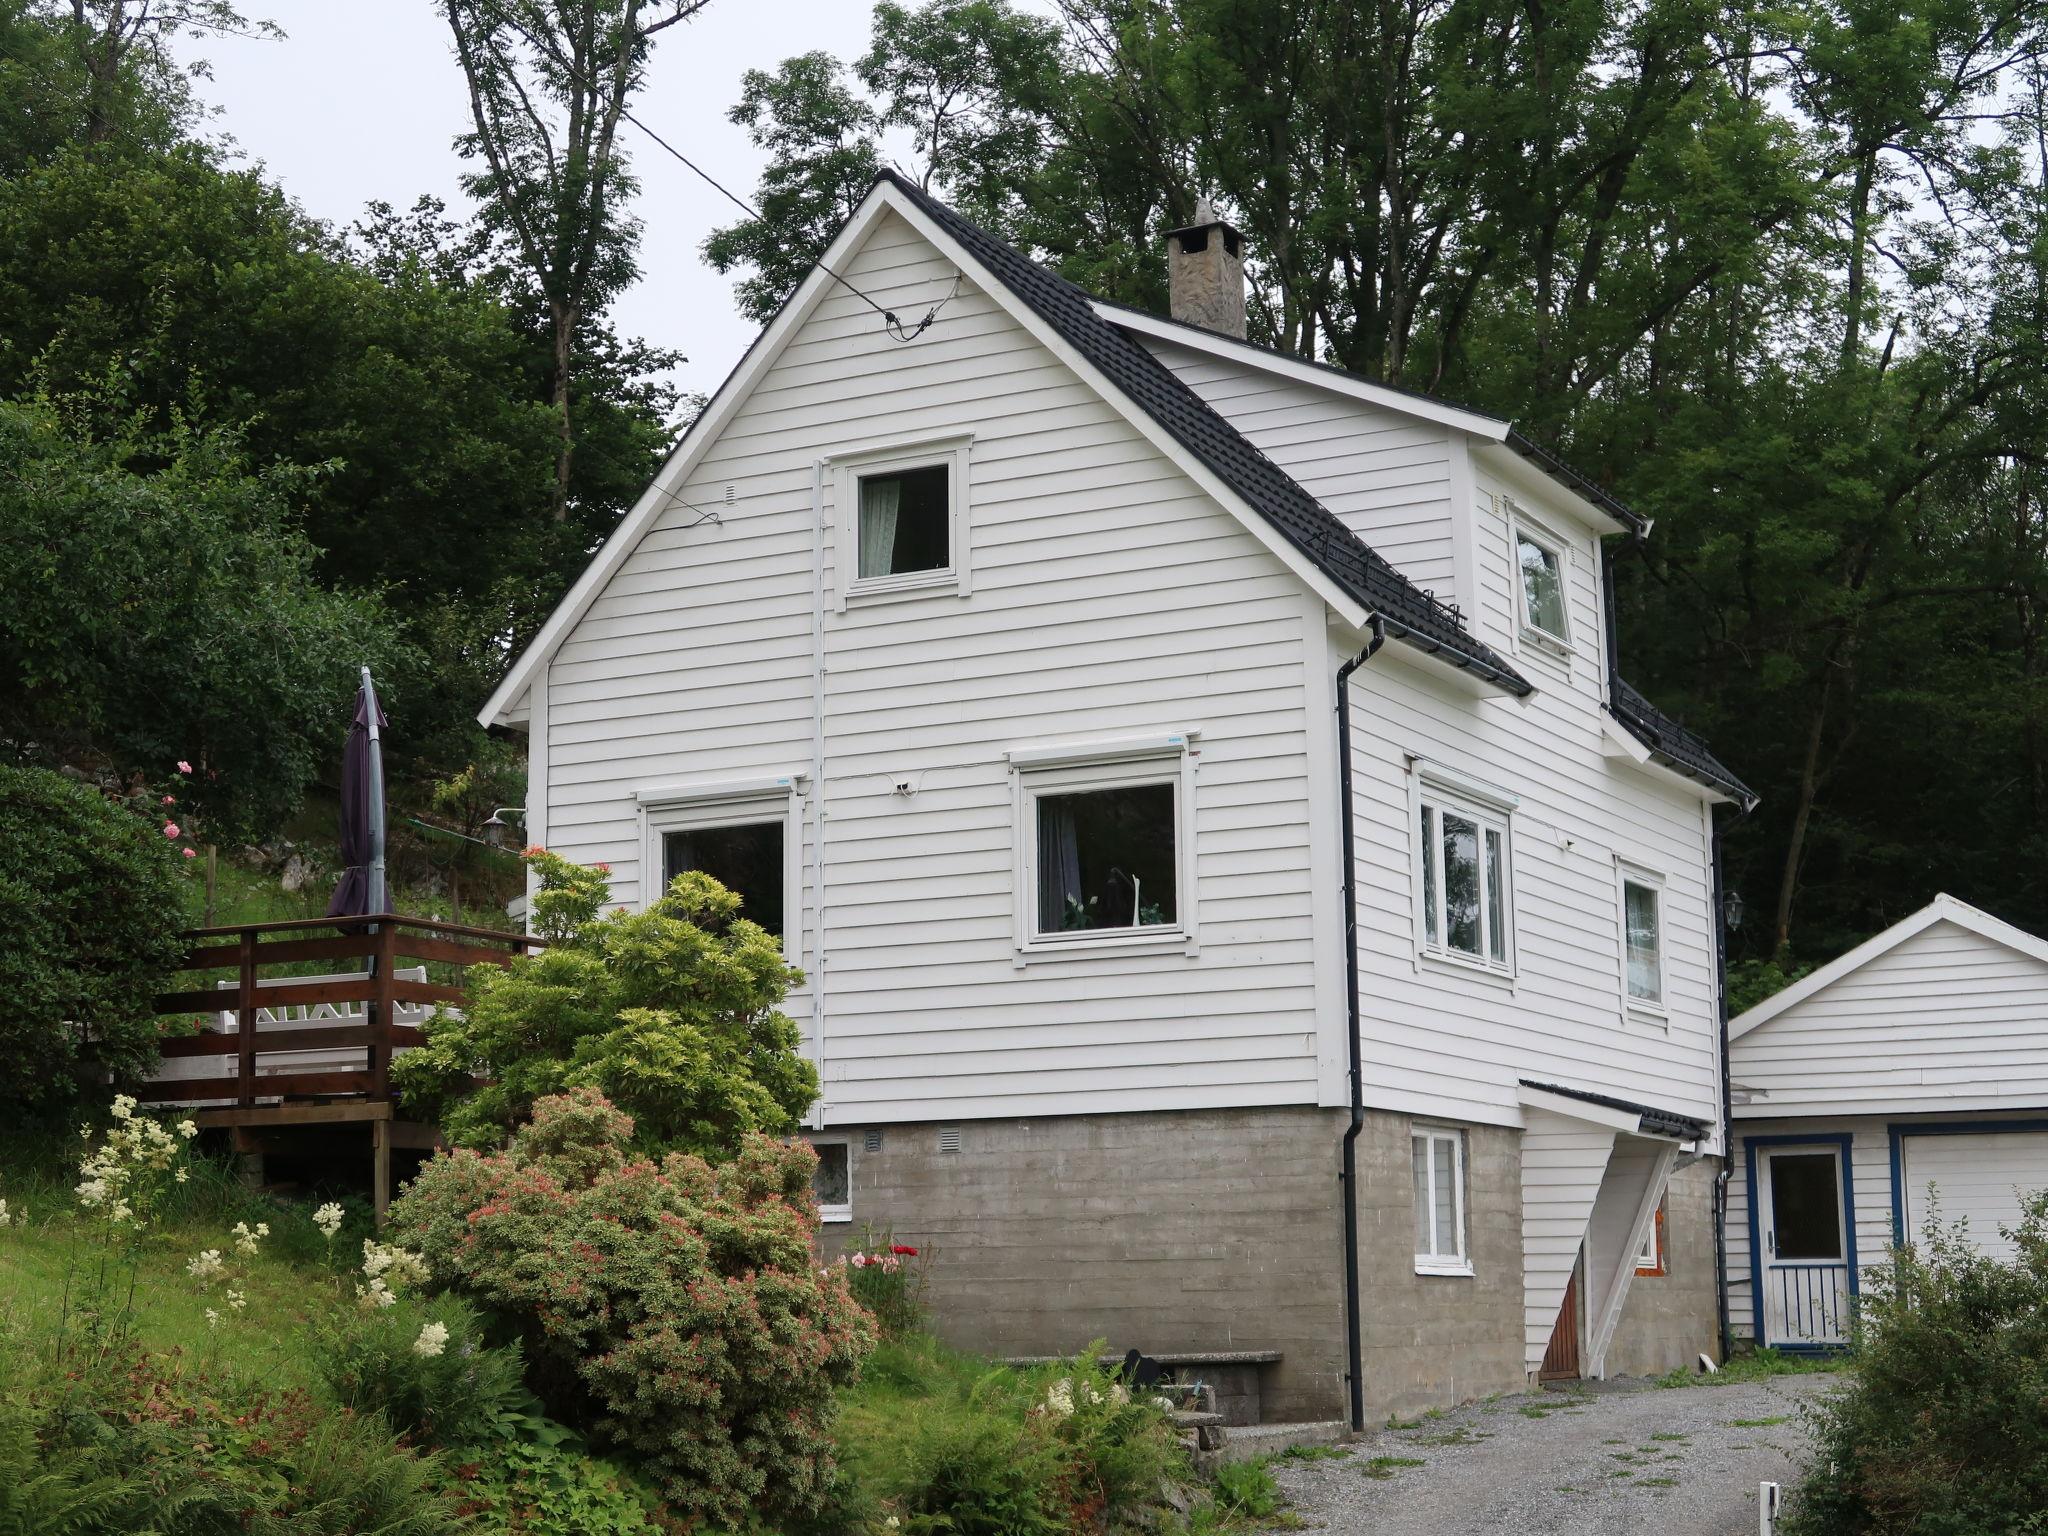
[[1802, 1228]]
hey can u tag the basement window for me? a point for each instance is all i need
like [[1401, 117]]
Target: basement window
[[1650, 1257], [1438, 1158], [833, 1182]]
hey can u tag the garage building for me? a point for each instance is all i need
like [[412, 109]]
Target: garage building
[[1905, 1080]]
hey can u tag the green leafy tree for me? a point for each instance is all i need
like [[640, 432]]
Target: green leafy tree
[[673, 1013]]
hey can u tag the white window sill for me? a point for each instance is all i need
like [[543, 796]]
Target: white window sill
[[1162, 942], [1652, 1014], [829, 1213], [917, 584], [1451, 963], [1549, 645], [1442, 1267]]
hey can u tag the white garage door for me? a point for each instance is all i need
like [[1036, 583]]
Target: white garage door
[[1976, 1176]]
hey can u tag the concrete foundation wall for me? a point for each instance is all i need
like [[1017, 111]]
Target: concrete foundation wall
[[1222, 1230], [1210, 1230], [1668, 1319]]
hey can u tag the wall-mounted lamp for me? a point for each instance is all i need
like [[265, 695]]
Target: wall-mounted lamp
[[1731, 909], [495, 824]]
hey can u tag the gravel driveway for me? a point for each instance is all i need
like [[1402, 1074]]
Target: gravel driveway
[[1682, 1461]]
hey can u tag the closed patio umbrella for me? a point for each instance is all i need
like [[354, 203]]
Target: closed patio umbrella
[[361, 889]]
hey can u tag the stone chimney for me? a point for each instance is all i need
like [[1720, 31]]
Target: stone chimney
[[1205, 272]]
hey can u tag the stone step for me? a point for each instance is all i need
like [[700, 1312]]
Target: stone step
[[1247, 1441]]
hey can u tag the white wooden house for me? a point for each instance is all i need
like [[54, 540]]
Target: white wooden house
[[1906, 1079], [1031, 665]]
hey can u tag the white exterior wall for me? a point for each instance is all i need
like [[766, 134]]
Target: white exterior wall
[[1388, 477], [1947, 1019], [1109, 598]]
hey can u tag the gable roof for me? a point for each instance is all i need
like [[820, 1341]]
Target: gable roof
[[1943, 908], [1408, 612], [1672, 744]]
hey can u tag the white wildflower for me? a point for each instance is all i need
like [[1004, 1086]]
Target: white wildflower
[[5, 1219], [212, 1318], [124, 1107], [377, 1293], [1059, 1402], [180, 1175], [207, 1266], [892, 1523], [328, 1219], [245, 1240], [188, 1129], [432, 1340], [236, 1300]]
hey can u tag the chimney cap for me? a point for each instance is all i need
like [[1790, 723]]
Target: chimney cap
[[1206, 217]]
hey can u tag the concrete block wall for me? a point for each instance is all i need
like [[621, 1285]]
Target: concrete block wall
[[1668, 1320], [1216, 1230]]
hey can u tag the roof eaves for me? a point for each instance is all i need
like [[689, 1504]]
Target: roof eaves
[[1651, 1120], [1637, 525], [1672, 744]]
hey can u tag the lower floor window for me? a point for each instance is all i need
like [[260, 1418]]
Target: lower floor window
[[833, 1182], [746, 859], [1650, 1260], [1439, 1167], [1106, 859]]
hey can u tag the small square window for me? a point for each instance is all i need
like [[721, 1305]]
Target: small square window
[[1543, 589], [1642, 921], [1650, 1258], [1438, 1159], [833, 1182], [905, 522], [1461, 858], [747, 859], [1107, 860]]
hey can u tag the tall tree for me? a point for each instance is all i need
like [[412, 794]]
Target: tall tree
[[549, 82]]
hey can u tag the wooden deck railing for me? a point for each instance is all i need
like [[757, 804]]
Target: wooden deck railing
[[340, 1016]]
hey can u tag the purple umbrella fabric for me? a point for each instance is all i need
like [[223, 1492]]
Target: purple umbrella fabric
[[362, 810]]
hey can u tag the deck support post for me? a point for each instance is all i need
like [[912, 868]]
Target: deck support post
[[380, 1168], [245, 1022]]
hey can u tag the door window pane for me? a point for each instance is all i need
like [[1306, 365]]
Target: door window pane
[[1461, 883], [1645, 942], [1106, 859], [905, 522], [746, 860], [1542, 588], [1806, 1205]]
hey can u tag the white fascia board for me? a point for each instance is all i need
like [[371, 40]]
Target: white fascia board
[[1619, 745], [1617, 741], [675, 473], [1197, 339], [1509, 466], [1578, 1109], [1944, 908], [1342, 603]]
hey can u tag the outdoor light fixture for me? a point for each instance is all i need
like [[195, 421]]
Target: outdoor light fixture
[[495, 823], [1731, 909]]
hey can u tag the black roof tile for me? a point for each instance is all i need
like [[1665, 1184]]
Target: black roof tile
[[1671, 742]]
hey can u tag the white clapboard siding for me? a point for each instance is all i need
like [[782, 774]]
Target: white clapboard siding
[[1563, 1163], [1386, 475], [1947, 1019], [1109, 598], [1978, 1180]]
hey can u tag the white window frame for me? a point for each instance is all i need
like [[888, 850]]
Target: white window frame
[[1626, 875], [1650, 1257], [1076, 768], [707, 806], [1438, 1263], [1524, 528], [950, 453], [837, 1213], [1436, 787]]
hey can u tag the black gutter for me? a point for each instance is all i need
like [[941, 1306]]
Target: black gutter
[[1634, 521], [1720, 1202], [1501, 677], [1354, 1328]]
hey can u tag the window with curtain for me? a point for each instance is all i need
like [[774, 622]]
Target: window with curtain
[[1461, 859], [833, 1182], [1543, 596], [1439, 1167], [905, 522], [1107, 859], [1642, 918], [746, 859]]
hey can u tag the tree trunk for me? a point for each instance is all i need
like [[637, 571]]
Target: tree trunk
[[564, 319]]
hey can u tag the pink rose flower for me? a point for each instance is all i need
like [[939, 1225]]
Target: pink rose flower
[[191, 853], [183, 766], [859, 1261], [170, 829], [170, 799]]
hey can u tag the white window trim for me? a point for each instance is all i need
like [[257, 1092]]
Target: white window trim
[[1073, 767], [1523, 526], [1459, 1263], [957, 576], [837, 1213], [1625, 875], [1650, 1258], [733, 803], [1444, 788]]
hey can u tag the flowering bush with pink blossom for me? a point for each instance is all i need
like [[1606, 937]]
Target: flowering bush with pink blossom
[[90, 901], [888, 1278], [673, 1310]]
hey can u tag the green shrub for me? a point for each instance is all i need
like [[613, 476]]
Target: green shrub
[[1247, 1490], [673, 1013], [675, 1311], [89, 901], [1940, 1430], [448, 1388]]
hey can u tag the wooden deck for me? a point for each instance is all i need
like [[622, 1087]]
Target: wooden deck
[[304, 1061]]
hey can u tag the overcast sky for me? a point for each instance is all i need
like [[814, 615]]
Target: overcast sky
[[363, 100]]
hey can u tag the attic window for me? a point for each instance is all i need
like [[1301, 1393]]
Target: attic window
[[1542, 568], [905, 522]]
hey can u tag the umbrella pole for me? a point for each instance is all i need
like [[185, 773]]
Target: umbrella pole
[[378, 1006]]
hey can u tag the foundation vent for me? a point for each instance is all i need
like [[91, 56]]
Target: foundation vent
[[949, 1138], [871, 1142]]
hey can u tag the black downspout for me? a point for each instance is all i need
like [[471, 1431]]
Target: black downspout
[[1354, 1331], [1727, 1091]]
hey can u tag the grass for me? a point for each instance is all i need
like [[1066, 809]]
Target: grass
[[1670, 1434], [1462, 1435], [1384, 1467], [1782, 1418], [1657, 1482], [1315, 1453], [1755, 1365]]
